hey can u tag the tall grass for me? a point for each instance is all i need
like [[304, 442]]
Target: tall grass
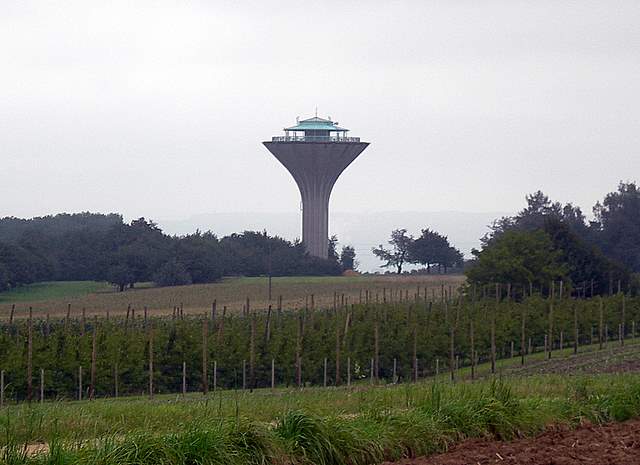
[[384, 427]]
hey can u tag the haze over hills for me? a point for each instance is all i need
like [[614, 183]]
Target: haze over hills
[[361, 230]]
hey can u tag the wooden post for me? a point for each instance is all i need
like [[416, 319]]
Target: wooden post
[[184, 378], [267, 326], [273, 374], [94, 359], [376, 347], [622, 325], [80, 382], [324, 382], [1, 388], [337, 314], [41, 385], [221, 326], [493, 330], [13, 310], [601, 326], [620, 334], [66, 320], [115, 381], [146, 315], [472, 345], [215, 375], [437, 367], [348, 371], [371, 372], [30, 356], [151, 363], [523, 334], [244, 375], [299, 353], [513, 354], [83, 321], [415, 351], [575, 329], [347, 323], [452, 348], [205, 356], [550, 338], [546, 345], [252, 352], [394, 378]]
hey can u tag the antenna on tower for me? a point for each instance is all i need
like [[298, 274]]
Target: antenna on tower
[[316, 111]]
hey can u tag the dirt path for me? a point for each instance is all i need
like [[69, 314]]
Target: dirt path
[[617, 444]]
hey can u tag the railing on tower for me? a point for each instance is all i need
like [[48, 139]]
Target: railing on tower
[[314, 139]]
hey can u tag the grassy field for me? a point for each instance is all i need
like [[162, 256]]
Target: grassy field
[[330, 426], [53, 291], [296, 292]]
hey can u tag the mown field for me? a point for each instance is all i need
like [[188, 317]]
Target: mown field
[[296, 292]]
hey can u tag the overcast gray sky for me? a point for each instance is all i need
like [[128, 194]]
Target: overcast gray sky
[[158, 109]]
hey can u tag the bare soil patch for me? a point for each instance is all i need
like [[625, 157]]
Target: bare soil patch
[[617, 444]]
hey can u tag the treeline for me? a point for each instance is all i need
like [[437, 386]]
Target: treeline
[[549, 241], [90, 246], [430, 249], [394, 341]]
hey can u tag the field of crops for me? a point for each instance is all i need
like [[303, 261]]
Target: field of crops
[[402, 340], [295, 292], [341, 383]]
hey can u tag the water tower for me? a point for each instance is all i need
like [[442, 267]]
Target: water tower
[[315, 151]]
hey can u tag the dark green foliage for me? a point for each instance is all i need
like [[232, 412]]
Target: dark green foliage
[[348, 258], [172, 273], [103, 248], [575, 250], [518, 257], [432, 248], [617, 225]]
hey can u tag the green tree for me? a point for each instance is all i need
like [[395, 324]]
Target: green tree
[[618, 225], [398, 254], [348, 258], [432, 248], [518, 257]]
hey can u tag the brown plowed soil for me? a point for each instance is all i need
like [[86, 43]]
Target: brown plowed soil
[[617, 444]]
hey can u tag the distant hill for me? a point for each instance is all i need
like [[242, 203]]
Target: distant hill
[[362, 230]]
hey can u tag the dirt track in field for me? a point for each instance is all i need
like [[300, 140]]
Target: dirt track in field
[[617, 444]]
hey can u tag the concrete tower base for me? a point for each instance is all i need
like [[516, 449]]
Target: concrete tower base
[[315, 166]]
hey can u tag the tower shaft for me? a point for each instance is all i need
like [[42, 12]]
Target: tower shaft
[[315, 166]]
